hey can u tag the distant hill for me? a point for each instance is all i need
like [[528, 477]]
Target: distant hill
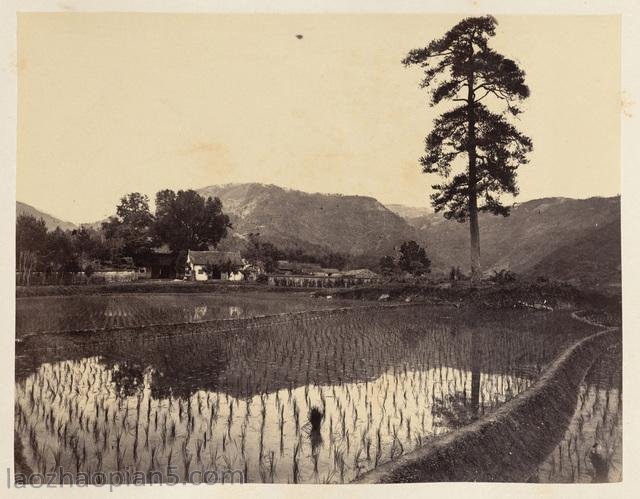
[[538, 237], [50, 221], [409, 212], [354, 225]]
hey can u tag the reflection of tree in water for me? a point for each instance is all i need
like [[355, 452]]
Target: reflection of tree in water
[[457, 409], [128, 376], [331, 349], [453, 411], [177, 367], [475, 372]]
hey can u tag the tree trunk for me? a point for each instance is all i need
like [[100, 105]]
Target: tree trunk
[[474, 230]]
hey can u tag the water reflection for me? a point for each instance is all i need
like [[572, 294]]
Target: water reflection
[[199, 313], [235, 312], [79, 312], [315, 399]]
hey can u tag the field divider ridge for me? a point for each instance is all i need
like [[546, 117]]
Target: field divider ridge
[[507, 444]]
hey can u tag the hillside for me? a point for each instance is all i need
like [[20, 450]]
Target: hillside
[[354, 225], [50, 221], [409, 212], [538, 238], [592, 259]]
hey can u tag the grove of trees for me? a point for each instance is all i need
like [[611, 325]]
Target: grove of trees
[[39, 250], [182, 220]]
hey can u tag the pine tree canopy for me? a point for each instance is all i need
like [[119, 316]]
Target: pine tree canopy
[[461, 68]]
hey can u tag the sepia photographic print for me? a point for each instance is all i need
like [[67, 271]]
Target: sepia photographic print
[[350, 247]]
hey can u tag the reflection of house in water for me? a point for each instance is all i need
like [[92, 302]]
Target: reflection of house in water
[[199, 312], [235, 312]]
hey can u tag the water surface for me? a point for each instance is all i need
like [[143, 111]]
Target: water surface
[[384, 380]]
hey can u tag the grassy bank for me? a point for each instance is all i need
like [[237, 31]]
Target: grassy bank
[[512, 295]]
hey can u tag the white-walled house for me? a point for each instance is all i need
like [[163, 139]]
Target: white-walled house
[[198, 262]]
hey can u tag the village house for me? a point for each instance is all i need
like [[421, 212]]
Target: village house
[[216, 265], [159, 264]]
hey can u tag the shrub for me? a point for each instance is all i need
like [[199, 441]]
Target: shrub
[[503, 276]]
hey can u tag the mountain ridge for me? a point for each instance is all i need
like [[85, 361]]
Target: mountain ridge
[[351, 224], [534, 230], [50, 221]]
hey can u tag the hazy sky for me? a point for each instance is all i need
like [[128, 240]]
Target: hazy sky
[[115, 103]]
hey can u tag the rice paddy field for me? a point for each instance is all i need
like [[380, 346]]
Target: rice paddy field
[[319, 397], [50, 314], [591, 450]]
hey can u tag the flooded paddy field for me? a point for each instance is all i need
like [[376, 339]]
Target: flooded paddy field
[[591, 449], [47, 314], [314, 398]]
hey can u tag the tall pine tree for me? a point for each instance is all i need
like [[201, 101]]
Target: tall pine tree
[[461, 68]]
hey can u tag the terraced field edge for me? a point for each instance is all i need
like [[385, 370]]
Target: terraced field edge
[[508, 444]]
